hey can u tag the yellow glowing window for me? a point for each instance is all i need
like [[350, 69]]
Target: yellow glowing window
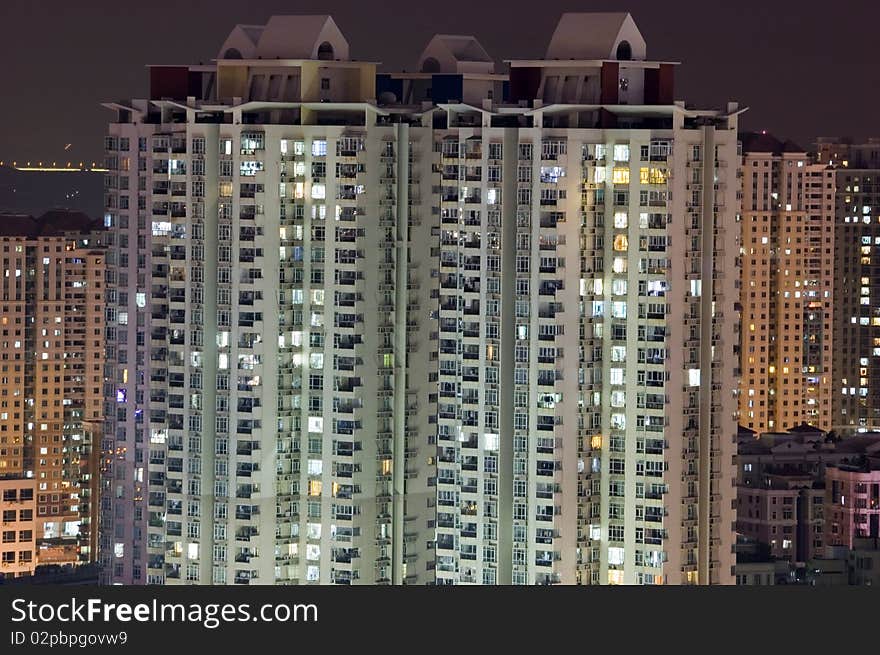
[[315, 487], [615, 577], [335, 489], [620, 175], [658, 176], [226, 189], [652, 175], [621, 243], [386, 467], [596, 442], [772, 369], [388, 360]]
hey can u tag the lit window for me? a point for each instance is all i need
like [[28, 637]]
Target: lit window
[[620, 175]]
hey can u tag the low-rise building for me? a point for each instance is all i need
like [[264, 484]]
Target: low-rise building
[[852, 502], [17, 527], [864, 562], [784, 511]]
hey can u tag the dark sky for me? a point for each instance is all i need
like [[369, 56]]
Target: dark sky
[[804, 68]]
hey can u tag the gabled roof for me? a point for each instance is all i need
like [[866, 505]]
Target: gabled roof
[[595, 35], [285, 37], [456, 53], [463, 48], [252, 32], [766, 142], [805, 427]]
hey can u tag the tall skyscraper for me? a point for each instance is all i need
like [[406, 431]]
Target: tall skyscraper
[[447, 327], [856, 196], [787, 284], [51, 378]]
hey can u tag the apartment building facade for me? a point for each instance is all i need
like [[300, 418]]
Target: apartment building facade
[[852, 503], [471, 367], [784, 511], [51, 374], [856, 325], [787, 287]]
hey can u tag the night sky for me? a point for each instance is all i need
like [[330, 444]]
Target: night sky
[[804, 68]]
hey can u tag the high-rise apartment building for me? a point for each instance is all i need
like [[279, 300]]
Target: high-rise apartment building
[[442, 327], [51, 375], [271, 416], [787, 285], [856, 325]]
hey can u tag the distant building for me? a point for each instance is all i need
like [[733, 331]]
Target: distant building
[[856, 332], [785, 512], [783, 494], [787, 279], [852, 503], [825, 572], [52, 373], [864, 562], [800, 450], [757, 573]]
